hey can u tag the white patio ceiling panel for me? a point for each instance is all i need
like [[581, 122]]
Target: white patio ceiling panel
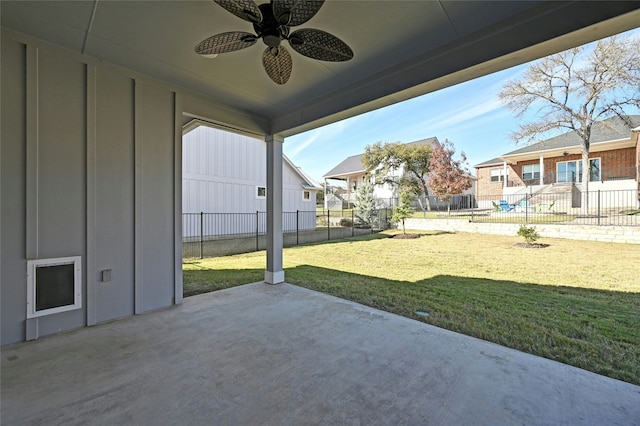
[[401, 48]]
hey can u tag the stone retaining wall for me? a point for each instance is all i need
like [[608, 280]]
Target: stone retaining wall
[[612, 234]]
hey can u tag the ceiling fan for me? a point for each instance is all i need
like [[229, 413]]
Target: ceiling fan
[[271, 22]]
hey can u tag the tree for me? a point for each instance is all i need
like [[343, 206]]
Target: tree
[[448, 177], [404, 209], [384, 159], [574, 89], [320, 195], [529, 234], [365, 202]]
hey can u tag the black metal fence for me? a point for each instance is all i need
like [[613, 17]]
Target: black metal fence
[[562, 205], [222, 234]]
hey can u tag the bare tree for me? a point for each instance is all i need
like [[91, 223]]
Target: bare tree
[[574, 89]]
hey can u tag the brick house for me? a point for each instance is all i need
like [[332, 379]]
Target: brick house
[[614, 163]]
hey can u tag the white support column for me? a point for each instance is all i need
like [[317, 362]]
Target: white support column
[[326, 193], [348, 191], [541, 170], [274, 273], [504, 175]]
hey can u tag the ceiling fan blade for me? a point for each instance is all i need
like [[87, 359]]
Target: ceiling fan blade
[[243, 9], [225, 42], [277, 63], [295, 12], [320, 45]]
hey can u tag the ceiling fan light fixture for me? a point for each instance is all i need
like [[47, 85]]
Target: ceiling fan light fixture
[[271, 40]]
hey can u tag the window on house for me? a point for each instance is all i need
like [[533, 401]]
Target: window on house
[[261, 192], [306, 195], [571, 171], [531, 171], [594, 169], [497, 175]]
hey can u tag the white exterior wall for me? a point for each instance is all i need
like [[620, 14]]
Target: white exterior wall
[[221, 171], [383, 191], [614, 185], [620, 193]]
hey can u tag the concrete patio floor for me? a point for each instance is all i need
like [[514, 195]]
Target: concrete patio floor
[[284, 355]]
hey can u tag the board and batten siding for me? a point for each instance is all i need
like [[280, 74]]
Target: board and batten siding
[[90, 168], [222, 170]]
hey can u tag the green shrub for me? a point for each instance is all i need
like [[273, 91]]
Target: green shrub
[[529, 233], [346, 222]]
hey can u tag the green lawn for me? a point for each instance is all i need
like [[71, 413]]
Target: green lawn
[[575, 302]]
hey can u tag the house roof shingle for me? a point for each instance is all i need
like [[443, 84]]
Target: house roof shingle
[[610, 129], [491, 162], [606, 130], [349, 165], [354, 164]]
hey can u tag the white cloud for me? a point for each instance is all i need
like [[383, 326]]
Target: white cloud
[[479, 104], [301, 146], [321, 134]]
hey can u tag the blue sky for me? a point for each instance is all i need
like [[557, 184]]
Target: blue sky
[[469, 114]]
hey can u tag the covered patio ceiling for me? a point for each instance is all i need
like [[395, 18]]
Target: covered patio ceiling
[[402, 49]]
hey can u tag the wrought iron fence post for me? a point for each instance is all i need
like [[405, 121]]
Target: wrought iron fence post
[[297, 227], [526, 209], [328, 224], [201, 232], [353, 224], [598, 206], [257, 230], [471, 203]]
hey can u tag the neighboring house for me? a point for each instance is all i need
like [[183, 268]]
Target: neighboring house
[[224, 172], [614, 157], [352, 173]]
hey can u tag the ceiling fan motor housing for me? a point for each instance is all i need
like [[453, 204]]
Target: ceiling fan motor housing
[[271, 30]]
